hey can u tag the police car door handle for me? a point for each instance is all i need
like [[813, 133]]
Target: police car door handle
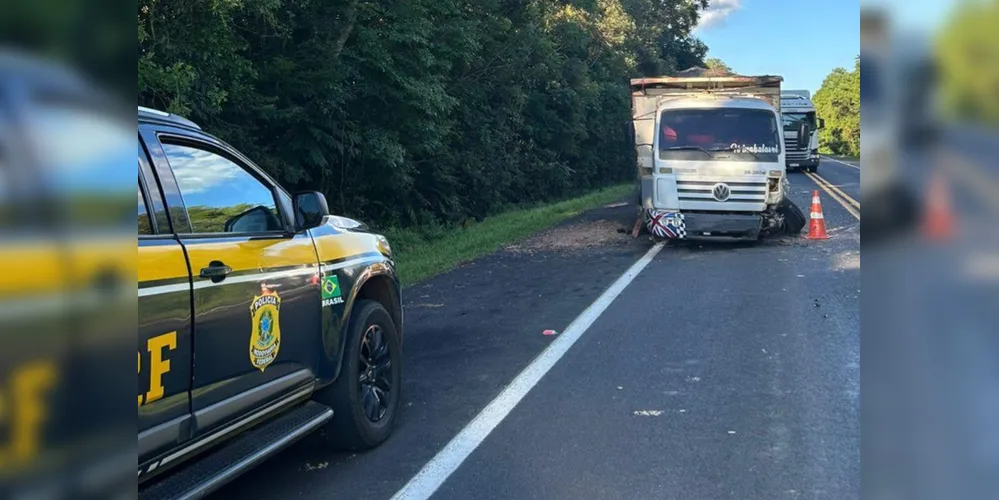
[[216, 271]]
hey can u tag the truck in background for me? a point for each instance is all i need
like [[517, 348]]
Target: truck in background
[[710, 156], [796, 107], [891, 205]]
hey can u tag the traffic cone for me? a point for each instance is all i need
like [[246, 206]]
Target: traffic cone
[[938, 220], [817, 222]]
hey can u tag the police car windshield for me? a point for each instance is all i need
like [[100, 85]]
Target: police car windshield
[[731, 134]]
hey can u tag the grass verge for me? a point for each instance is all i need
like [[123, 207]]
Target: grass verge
[[842, 158], [424, 253]]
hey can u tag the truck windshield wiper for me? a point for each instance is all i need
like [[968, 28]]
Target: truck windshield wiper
[[690, 148], [732, 150]]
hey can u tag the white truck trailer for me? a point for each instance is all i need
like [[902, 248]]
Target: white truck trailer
[[796, 107], [710, 156]]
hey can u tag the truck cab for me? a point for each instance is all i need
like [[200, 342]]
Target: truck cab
[[796, 109], [711, 156]]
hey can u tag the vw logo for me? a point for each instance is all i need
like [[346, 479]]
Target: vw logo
[[721, 191]]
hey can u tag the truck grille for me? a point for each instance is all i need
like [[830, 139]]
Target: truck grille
[[700, 191], [791, 151]]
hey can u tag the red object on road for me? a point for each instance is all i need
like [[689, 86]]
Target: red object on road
[[549, 332], [817, 221], [938, 221]]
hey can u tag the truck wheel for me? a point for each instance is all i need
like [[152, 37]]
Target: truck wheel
[[365, 396], [813, 169]]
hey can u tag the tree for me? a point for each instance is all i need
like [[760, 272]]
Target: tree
[[838, 103], [418, 111], [717, 67], [968, 56]]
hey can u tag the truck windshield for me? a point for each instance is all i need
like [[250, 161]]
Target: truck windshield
[[791, 120], [727, 134], [869, 82]]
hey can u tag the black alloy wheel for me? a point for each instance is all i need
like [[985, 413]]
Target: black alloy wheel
[[375, 370]]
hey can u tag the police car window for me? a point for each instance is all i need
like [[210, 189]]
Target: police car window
[[145, 227], [83, 150], [221, 197]]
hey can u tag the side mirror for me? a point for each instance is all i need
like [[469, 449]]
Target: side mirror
[[310, 207], [804, 135], [822, 123]]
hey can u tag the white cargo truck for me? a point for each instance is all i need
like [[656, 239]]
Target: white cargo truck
[[796, 107], [891, 204], [710, 156]]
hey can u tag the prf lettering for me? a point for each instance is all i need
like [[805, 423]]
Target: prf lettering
[[158, 348], [24, 407]]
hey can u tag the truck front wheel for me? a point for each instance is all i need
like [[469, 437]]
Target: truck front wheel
[[365, 396]]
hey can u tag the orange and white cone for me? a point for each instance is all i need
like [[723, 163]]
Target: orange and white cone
[[817, 222], [938, 220]]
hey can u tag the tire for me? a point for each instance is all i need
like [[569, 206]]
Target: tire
[[355, 424], [794, 218], [813, 169]]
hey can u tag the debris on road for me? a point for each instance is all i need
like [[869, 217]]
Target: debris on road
[[319, 466], [573, 237], [648, 413], [549, 332]]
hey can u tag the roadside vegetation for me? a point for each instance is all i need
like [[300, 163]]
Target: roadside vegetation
[[432, 249], [418, 113], [967, 55], [838, 103]]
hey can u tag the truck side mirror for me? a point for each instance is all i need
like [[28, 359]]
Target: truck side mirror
[[804, 134], [310, 207], [822, 124]]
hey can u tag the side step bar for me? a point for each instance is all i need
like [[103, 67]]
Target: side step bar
[[208, 473]]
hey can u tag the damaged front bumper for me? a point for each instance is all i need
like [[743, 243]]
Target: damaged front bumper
[[674, 225]]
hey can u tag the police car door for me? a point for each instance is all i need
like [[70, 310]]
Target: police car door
[[256, 285], [164, 354]]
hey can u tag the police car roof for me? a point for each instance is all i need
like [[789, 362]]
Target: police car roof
[[157, 116]]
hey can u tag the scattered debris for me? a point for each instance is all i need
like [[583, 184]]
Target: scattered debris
[[320, 466], [731, 432], [683, 411], [549, 332], [801, 275], [764, 351], [693, 379], [573, 237], [620, 388], [648, 413], [616, 205], [428, 305]]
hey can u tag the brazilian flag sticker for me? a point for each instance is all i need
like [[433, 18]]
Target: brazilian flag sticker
[[331, 287]]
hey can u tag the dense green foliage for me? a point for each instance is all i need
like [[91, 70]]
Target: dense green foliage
[[717, 67], [838, 103], [968, 59], [417, 111]]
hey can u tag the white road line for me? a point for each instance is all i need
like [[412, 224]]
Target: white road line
[[439, 468], [841, 162]]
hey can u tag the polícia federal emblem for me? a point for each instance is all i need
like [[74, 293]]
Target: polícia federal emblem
[[265, 339]]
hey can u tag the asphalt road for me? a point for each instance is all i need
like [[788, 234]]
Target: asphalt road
[[720, 371]]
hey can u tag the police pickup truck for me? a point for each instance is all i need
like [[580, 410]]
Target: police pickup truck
[[261, 317]]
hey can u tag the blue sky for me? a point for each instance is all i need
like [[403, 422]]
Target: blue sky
[[812, 37]]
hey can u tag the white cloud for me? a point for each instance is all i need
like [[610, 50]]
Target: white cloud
[[717, 11]]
